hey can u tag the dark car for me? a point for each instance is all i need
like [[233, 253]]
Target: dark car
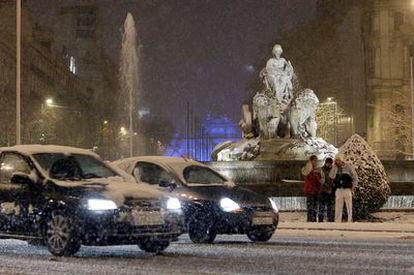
[[211, 203], [65, 197]]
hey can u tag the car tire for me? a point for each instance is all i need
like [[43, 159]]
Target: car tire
[[61, 234], [201, 231], [260, 234], [154, 245]]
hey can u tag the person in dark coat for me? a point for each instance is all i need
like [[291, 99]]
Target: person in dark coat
[[327, 194], [313, 178]]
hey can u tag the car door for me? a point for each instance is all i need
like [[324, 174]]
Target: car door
[[152, 173], [14, 197]]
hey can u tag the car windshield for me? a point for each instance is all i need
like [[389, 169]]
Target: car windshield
[[73, 166], [202, 175]]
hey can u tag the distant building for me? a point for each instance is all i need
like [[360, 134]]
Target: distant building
[[201, 142], [78, 38], [43, 76]]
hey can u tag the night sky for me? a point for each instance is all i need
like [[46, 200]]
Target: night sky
[[207, 52]]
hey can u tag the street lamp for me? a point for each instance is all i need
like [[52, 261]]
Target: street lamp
[[18, 62], [49, 102], [123, 131], [411, 51]]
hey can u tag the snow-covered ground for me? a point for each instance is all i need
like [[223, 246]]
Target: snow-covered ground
[[228, 255], [384, 216]]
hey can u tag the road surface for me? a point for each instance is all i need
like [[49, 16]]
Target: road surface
[[230, 254]]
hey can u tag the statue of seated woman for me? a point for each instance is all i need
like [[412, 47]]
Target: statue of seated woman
[[278, 74]]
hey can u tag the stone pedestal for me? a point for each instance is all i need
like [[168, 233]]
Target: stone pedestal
[[277, 149]]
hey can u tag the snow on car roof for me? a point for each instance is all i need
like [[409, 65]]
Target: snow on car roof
[[177, 164], [173, 162], [37, 149]]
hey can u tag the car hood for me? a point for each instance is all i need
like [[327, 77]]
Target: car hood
[[242, 196], [112, 188]]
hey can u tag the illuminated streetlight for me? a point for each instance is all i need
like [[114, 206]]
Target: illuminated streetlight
[[123, 131], [105, 122], [49, 101]]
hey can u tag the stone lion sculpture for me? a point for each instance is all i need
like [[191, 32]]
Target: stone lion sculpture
[[266, 113], [302, 115]]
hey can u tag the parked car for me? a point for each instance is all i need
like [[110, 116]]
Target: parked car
[[66, 197], [212, 204]]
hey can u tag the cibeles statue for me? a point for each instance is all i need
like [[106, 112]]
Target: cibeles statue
[[282, 124], [278, 75]]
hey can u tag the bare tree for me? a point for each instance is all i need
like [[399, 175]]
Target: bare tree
[[328, 116], [396, 118]]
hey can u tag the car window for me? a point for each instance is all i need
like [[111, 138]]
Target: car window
[[202, 175], [10, 164], [152, 173], [73, 166]]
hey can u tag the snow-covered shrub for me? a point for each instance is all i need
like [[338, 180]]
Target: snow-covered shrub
[[373, 188]]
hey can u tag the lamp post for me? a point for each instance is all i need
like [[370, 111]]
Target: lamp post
[[18, 58], [412, 98]]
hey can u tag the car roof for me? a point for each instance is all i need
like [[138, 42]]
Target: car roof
[[161, 159], [176, 163], [37, 149], [173, 162]]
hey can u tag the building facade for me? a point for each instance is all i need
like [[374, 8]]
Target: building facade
[[43, 76], [203, 137], [357, 52], [388, 35]]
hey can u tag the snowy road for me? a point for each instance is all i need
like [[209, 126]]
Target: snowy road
[[230, 254]]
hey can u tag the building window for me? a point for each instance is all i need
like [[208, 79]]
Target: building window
[[72, 65], [398, 20]]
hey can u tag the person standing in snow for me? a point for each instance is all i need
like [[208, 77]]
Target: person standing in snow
[[313, 178], [327, 194], [345, 180]]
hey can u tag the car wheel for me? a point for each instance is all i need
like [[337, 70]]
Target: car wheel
[[61, 234], [154, 245], [260, 234], [201, 231]]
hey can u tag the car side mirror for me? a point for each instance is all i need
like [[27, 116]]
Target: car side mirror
[[21, 178], [167, 184]]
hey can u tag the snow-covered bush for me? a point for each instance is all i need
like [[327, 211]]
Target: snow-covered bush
[[373, 188]]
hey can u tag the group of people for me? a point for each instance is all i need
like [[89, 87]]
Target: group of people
[[327, 188]]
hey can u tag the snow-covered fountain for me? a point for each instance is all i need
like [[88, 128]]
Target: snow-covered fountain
[[129, 78], [282, 123], [279, 135]]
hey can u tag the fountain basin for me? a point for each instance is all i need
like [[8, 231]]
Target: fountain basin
[[282, 178]]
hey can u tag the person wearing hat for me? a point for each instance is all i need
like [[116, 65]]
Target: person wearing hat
[[345, 180]]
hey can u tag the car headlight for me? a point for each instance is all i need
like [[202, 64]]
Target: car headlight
[[274, 206], [229, 205], [101, 204], [173, 204]]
